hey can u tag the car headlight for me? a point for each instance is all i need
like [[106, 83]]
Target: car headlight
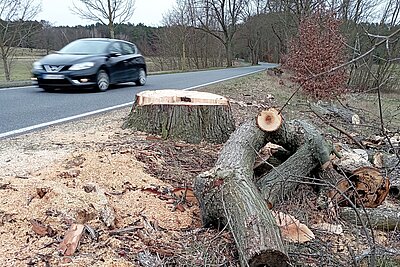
[[82, 66], [37, 66]]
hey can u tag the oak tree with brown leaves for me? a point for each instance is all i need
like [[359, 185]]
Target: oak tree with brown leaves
[[318, 47]]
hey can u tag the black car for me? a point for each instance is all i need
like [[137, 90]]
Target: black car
[[91, 62]]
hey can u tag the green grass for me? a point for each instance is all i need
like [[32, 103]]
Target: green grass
[[20, 70], [22, 64]]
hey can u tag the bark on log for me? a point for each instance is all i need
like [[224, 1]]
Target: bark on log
[[354, 177], [382, 218], [309, 149], [391, 165], [331, 110], [185, 115], [228, 195]]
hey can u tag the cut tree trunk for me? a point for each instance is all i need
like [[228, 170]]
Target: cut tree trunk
[[228, 196], [309, 150], [185, 115], [352, 178], [382, 218], [331, 110]]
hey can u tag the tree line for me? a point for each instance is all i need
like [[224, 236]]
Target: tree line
[[198, 34]]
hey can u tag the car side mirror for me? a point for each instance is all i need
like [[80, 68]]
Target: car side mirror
[[114, 54]]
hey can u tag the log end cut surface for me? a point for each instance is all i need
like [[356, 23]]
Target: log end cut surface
[[179, 97], [371, 188], [269, 120]]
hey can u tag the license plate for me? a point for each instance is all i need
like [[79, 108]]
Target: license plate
[[53, 76]]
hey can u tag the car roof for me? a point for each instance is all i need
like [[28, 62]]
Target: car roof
[[103, 39]]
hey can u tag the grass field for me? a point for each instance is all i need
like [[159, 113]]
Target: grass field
[[22, 64]]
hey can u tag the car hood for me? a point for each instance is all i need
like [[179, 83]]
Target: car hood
[[67, 59]]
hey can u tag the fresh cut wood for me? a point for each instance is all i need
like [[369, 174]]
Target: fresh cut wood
[[190, 116]]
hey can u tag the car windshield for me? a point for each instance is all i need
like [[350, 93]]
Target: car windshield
[[85, 47]]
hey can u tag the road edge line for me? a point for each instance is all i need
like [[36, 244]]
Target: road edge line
[[16, 87], [223, 80], [45, 124]]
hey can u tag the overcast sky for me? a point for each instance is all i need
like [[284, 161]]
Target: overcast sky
[[148, 12]]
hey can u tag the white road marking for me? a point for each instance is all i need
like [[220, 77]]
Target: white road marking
[[222, 80], [15, 88], [41, 125]]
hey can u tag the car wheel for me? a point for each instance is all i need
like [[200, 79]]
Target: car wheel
[[142, 78], [103, 81]]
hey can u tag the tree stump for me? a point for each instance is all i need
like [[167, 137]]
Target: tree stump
[[185, 115]]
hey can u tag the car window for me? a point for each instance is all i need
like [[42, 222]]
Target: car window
[[116, 48], [127, 49], [134, 48], [83, 46]]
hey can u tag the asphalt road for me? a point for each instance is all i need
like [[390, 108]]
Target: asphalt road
[[29, 108]]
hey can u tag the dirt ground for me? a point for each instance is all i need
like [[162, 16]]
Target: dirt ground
[[127, 189]]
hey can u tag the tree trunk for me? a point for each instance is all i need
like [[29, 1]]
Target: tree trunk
[[382, 218], [227, 195], [228, 50], [111, 15], [185, 115], [352, 178], [309, 150], [112, 32], [6, 68], [331, 110]]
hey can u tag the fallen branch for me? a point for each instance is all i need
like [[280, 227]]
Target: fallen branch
[[125, 230], [228, 196], [382, 218]]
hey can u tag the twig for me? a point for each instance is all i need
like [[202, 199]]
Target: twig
[[125, 230], [338, 129]]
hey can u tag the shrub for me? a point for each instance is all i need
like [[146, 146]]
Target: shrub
[[318, 47]]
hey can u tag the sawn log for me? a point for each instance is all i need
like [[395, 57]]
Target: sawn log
[[228, 196]]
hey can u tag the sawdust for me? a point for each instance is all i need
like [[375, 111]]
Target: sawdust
[[70, 173]]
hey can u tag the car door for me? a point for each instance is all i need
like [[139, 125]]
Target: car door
[[129, 54], [116, 64]]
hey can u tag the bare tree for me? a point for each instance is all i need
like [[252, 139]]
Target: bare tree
[[179, 18], [107, 12], [221, 18], [15, 27]]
